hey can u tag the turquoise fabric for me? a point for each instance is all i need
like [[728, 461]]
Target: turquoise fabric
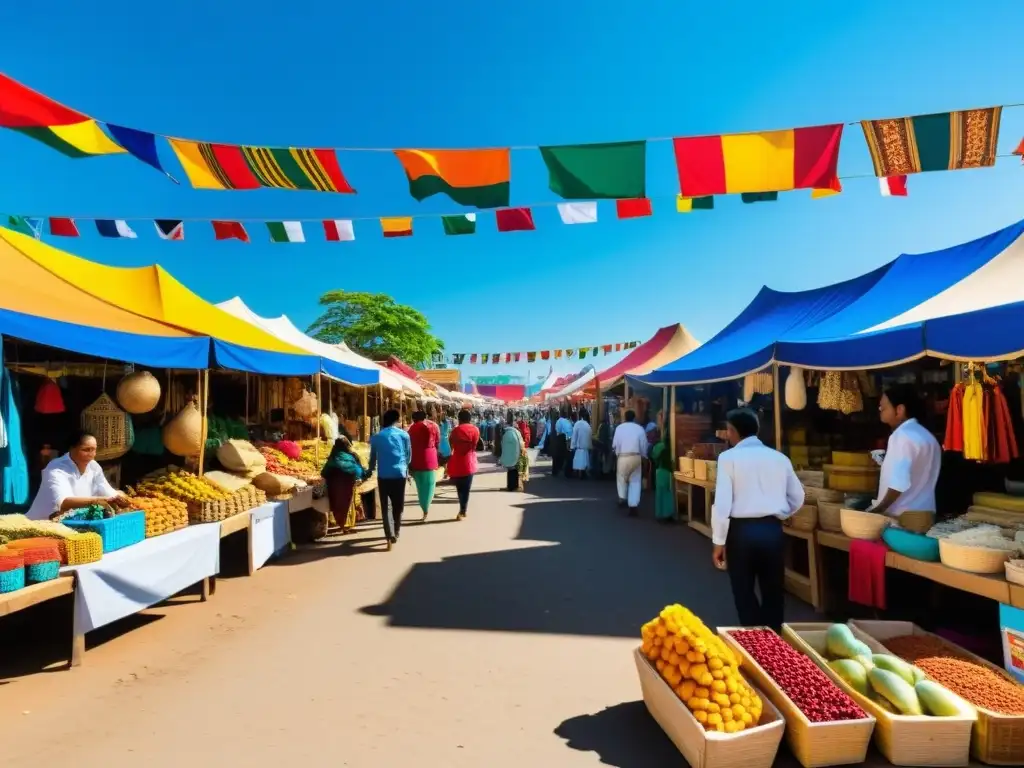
[[445, 449], [347, 463], [511, 448], [13, 462]]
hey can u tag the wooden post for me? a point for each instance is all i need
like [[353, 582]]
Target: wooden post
[[364, 425], [777, 402], [204, 400], [672, 424], [319, 408], [625, 392]]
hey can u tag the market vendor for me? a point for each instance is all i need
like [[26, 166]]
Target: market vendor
[[73, 481], [913, 458]]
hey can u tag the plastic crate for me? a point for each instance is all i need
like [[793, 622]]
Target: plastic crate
[[38, 572], [117, 532]]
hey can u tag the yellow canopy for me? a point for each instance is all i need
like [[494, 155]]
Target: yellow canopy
[[147, 292]]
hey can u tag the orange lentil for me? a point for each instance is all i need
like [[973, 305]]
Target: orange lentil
[[948, 666]]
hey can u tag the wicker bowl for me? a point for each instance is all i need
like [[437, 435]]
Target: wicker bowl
[[829, 518], [972, 559], [862, 525], [805, 518], [686, 466], [811, 478], [852, 459], [813, 495], [1015, 571]]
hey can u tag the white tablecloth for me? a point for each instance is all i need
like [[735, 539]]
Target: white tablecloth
[[270, 531], [137, 577]]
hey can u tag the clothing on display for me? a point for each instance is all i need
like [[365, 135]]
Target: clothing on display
[[979, 423]]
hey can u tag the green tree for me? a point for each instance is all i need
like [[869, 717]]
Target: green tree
[[375, 325]]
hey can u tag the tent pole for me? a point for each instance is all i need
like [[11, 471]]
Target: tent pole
[[777, 402], [319, 410], [363, 428], [204, 395], [672, 424]]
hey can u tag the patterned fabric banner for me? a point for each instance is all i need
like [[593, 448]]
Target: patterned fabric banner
[[946, 141]]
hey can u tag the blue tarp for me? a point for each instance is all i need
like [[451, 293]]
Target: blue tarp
[[350, 374]]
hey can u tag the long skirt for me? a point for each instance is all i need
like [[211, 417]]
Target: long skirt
[[341, 499], [524, 470], [664, 504], [425, 482], [559, 453], [581, 460]]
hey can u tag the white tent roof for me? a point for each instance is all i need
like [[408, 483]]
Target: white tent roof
[[285, 329], [576, 384]]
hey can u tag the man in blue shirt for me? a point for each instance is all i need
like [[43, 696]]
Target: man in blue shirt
[[392, 450]]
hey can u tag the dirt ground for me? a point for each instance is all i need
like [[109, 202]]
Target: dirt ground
[[503, 640]]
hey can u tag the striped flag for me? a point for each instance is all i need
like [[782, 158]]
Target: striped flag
[[170, 229], [286, 232], [115, 228], [62, 227], [339, 230], [893, 186]]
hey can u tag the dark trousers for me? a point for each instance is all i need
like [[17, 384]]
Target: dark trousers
[[513, 480], [754, 555], [559, 453], [392, 502], [462, 486]]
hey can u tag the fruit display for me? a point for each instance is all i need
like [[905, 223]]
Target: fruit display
[[315, 456], [13, 527], [701, 669], [163, 514], [178, 484], [279, 464], [888, 680], [810, 689], [961, 673]]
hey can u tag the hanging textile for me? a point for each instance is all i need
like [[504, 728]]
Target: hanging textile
[[973, 405], [13, 462], [954, 440]]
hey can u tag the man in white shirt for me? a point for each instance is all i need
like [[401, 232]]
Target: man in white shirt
[[581, 444], [756, 490], [913, 457], [629, 443], [72, 481]]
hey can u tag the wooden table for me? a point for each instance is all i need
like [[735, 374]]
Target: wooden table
[[34, 594], [700, 523], [806, 587]]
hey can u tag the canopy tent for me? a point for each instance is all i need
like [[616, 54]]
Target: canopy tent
[[915, 305], [151, 292], [667, 344], [578, 382], [388, 378], [39, 306], [334, 362]]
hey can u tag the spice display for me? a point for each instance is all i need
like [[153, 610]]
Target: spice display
[[163, 514], [800, 679], [966, 677], [179, 484], [840, 391], [14, 527], [701, 669]]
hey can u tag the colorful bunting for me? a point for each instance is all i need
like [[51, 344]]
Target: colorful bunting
[[834, 189], [169, 229], [688, 204], [286, 232], [473, 177], [531, 357], [457, 359], [633, 209], [893, 186], [515, 220], [339, 230], [484, 357], [397, 227], [495, 358], [759, 197], [27, 225], [115, 228], [946, 141], [1019, 151], [545, 355], [460, 224], [140, 144], [230, 230], [578, 213], [588, 171], [800, 158], [63, 227]]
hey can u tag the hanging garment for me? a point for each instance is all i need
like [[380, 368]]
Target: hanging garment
[[1003, 445], [954, 440], [973, 404], [13, 462], [867, 573], [987, 438]]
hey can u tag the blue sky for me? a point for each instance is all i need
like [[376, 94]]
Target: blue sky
[[465, 74]]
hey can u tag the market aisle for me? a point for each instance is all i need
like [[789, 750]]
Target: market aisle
[[503, 640]]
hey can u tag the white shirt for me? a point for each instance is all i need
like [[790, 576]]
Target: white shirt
[[62, 480], [911, 466], [629, 438], [581, 436], [753, 481]]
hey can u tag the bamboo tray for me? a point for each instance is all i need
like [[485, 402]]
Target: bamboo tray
[[814, 744], [997, 739], [902, 739], [752, 748]]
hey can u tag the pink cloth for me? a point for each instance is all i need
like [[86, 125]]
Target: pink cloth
[[867, 573]]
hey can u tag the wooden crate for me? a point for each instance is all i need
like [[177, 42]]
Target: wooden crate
[[902, 739], [997, 739], [752, 748], [814, 744]]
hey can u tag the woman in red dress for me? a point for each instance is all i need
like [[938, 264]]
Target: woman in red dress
[[462, 464]]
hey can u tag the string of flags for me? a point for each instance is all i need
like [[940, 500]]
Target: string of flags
[[755, 165], [475, 358]]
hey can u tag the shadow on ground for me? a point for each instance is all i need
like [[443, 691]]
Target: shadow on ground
[[594, 571]]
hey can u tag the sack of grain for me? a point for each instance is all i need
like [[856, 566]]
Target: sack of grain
[[240, 456], [270, 484], [226, 480]]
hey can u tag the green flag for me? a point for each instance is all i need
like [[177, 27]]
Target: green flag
[[587, 171], [463, 224]]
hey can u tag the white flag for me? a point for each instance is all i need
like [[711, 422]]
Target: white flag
[[578, 213], [339, 230]]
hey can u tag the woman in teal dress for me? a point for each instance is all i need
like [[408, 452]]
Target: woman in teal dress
[[661, 459]]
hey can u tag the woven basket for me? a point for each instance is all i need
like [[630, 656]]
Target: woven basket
[[81, 548], [12, 580], [811, 478], [972, 559], [1015, 571], [805, 518], [852, 479], [862, 525], [117, 532], [829, 516], [110, 426], [851, 459], [813, 495], [916, 521], [40, 572]]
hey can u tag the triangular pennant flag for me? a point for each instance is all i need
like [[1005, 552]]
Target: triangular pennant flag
[[558, 354], [578, 213], [140, 144], [63, 227], [286, 232], [759, 197], [893, 186], [688, 204], [28, 225], [583, 353], [460, 224], [339, 230], [603, 171], [514, 220], [633, 209], [170, 229], [115, 228], [1019, 150], [229, 230], [570, 353]]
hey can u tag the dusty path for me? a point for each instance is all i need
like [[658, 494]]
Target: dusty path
[[503, 640]]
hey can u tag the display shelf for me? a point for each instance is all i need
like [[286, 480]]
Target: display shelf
[[833, 540], [807, 586], [699, 520]]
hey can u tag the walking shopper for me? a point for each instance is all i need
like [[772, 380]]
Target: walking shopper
[[424, 438], [582, 443], [560, 451], [630, 446], [462, 464], [341, 473], [512, 450], [756, 490], [392, 449], [664, 503], [444, 450]]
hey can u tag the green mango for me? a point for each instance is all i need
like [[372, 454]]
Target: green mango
[[896, 690], [841, 644], [853, 672], [895, 665], [936, 700]]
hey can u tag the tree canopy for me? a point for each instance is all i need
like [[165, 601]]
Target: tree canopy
[[375, 325]]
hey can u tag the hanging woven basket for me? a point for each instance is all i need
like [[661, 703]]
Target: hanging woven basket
[[138, 392], [109, 425]]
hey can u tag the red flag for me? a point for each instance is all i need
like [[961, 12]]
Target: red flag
[[517, 356], [545, 354], [633, 209], [62, 227], [893, 186], [472, 358], [230, 230], [514, 220], [1019, 150]]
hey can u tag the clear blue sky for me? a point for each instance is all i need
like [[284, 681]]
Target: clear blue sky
[[465, 74]]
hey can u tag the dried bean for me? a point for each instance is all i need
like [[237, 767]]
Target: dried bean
[[807, 686], [960, 673]]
